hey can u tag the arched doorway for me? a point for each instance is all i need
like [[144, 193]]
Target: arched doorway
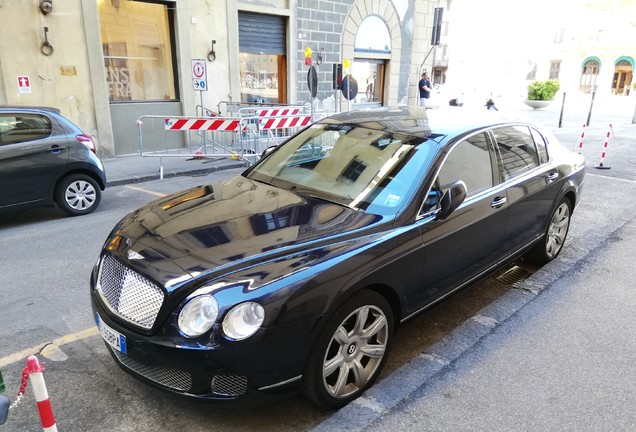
[[372, 50], [623, 72], [589, 74]]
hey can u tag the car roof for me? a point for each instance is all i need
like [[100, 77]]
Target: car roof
[[426, 123], [15, 108]]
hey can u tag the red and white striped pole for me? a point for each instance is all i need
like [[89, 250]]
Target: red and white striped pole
[[34, 369], [600, 164], [580, 143]]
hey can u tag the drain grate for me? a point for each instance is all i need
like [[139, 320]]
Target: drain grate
[[514, 276]]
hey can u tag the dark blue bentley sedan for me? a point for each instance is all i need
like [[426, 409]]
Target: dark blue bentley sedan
[[295, 275]]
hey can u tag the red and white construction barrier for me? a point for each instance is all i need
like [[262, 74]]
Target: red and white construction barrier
[[284, 122], [201, 124], [580, 143], [601, 163], [273, 112]]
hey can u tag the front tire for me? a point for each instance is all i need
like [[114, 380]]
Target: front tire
[[552, 242], [350, 351], [77, 194]]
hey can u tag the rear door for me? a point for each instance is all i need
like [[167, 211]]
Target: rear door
[[33, 150], [532, 182], [467, 243]]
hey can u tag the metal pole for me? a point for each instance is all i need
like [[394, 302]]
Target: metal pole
[[634, 117], [589, 114], [561, 115]]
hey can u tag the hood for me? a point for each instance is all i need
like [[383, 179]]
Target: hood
[[218, 228]]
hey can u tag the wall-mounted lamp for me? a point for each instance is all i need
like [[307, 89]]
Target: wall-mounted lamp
[[212, 53], [46, 6], [46, 48]]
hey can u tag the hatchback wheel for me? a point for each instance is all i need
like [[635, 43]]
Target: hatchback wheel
[[78, 194], [552, 242], [350, 350]]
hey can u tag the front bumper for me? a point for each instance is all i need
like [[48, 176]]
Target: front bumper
[[265, 368]]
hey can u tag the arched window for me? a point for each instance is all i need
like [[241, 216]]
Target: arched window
[[591, 68], [623, 74]]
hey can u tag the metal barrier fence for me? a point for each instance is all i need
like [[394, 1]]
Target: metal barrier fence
[[243, 137]]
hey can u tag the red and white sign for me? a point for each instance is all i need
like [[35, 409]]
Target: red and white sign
[[24, 84], [201, 124]]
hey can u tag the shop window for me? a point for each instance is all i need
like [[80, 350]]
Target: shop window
[[137, 41], [260, 78]]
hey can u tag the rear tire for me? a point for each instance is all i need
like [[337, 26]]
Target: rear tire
[[554, 237], [77, 194], [350, 350]]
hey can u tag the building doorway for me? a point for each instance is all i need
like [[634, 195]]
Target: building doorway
[[623, 72], [263, 63]]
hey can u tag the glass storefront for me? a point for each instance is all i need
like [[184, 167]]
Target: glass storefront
[[138, 55], [261, 78]]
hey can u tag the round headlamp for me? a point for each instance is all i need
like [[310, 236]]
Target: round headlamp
[[243, 320], [198, 315]]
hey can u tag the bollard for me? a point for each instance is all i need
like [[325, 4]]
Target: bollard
[[600, 164], [580, 143], [34, 370]]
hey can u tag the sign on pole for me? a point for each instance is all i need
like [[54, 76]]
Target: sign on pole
[[199, 75]]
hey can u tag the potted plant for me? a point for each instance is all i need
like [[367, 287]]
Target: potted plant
[[541, 93]]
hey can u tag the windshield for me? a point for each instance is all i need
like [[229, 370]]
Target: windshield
[[365, 169]]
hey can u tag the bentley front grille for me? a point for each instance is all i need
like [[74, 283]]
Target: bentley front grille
[[128, 294]]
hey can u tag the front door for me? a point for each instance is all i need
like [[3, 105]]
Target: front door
[[33, 148]]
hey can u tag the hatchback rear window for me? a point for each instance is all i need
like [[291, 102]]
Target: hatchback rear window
[[17, 128]]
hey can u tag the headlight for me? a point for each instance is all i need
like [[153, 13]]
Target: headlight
[[243, 320], [198, 315]]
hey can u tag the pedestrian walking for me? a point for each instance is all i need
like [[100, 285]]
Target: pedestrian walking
[[424, 87]]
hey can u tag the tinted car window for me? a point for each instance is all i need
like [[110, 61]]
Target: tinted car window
[[468, 161], [517, 149], [362, 168], [17, 128], [539, 140]]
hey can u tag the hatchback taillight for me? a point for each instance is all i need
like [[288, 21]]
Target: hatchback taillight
[[87, 141]]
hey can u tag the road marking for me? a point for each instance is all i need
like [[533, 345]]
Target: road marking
[[159, 194], [611, 178], [64, 340]]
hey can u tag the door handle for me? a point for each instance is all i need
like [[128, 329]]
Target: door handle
[[552, 177], [55, 149], [498, 202]]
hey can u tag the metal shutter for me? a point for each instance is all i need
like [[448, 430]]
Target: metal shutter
[[261, 33]]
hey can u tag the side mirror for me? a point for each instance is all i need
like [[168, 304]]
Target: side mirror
[[452, 199], [267, 151]]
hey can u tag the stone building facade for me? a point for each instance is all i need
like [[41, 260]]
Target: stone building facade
[[104, 63]]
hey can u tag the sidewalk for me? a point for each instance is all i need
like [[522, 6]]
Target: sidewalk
[[136, 169]]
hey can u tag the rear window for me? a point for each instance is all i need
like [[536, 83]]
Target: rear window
[[517, 149], [17, 128]]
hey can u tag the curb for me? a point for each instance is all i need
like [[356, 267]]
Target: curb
[[196, 172]]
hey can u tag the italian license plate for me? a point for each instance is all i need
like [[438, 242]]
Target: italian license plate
[[111, 336]]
